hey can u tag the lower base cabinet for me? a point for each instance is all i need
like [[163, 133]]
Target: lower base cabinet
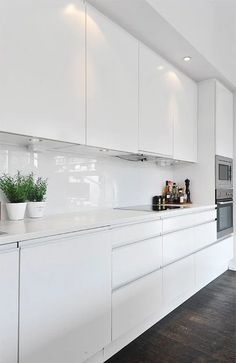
[[178, 281], [212, 261], [9, 273], [65, 299], [135, 302]]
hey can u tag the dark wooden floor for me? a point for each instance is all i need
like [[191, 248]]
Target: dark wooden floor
[[203, 329]]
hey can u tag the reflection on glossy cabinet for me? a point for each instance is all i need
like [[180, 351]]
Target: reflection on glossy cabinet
[[135, 302], [213, 261], [156, 103], [9, 267], [112, 85], [178, 281], [224, 121], [65, 300], [42, 69], [185, 119]]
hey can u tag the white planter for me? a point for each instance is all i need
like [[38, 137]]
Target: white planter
[[36, 209], [16, 211]]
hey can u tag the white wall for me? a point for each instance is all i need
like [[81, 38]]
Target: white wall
[[76, 183], [210, 26]]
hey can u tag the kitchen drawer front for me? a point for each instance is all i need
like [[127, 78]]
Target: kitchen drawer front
[[134, 303], [178, 280], [213, 261], [135, 232], [207, 216], [188, 220], [205, 234], [135, 260], [177, 245]]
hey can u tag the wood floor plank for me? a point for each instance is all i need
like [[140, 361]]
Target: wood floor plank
[[202, 330]]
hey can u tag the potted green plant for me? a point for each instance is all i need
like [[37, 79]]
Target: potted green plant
[[15, 190], [36, 194]]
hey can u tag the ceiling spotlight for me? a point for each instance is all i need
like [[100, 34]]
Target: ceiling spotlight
[[34, 140], [187, 58]]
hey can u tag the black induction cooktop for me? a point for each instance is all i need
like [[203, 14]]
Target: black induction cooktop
[[152, 208]]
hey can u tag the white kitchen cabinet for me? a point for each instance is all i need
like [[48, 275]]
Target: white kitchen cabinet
[[188, 220], [185, 118], [65, 299], [135, 302], [9, 278], [112, 85], [213, 261], [156, 103], [205, 235], [135, 260], [178, 281], [224, 121], [177, 245], [42, 69], [135, 232], [167, 108]]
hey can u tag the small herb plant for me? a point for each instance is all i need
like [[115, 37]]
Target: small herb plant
[[14, 188], [36, 189]]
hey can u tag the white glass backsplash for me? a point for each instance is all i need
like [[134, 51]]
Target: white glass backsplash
[[76, 183]]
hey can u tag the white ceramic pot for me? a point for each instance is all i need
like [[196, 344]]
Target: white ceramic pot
[[16, 211], [36, 209]]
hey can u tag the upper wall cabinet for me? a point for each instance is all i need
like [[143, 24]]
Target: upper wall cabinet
[[224, 121], [156, 103], [112, 85], [185, 119], [167, 108], [42, 69]]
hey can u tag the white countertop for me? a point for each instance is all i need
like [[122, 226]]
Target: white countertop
[[72, 222]]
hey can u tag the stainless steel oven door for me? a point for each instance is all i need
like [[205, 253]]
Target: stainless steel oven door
[[224, 218]]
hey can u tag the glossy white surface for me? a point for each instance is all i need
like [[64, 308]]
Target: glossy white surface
[[134, 303], [65, 300], [178, 279], [135, 260], [133, 233], [72, 222], [42, 69], [167, 108], [9, 269], [156, 102], [81, 182], [224, 121], [185, 118], [213, 261], [112, 84]]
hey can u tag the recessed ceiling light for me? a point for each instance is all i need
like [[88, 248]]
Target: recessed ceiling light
[[187, 58], [34, 140]]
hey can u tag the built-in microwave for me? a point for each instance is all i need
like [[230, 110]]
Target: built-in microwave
[[224, 172]]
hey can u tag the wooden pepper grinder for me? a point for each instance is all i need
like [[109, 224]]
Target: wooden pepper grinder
[[187, 183]]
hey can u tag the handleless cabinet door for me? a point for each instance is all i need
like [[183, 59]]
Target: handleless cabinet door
[[42, 69], [185, 122], [9, 267], [156, 103], [134, 303], [224, 121], [178, 281], [213, 261], [65, 300], [112, 85]]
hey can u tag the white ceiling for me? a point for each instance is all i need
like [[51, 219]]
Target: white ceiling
[[204, 29]]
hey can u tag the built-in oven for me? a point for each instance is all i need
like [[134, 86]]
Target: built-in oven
[[224, 200], [224, 172]]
